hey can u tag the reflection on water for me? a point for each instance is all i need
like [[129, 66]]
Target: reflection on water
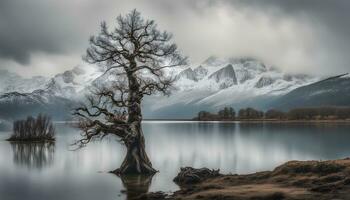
[[33, 155], [243, 147], [232, 147], [136, 185]]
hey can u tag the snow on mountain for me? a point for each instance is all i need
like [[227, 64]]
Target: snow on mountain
[[187, 74], [69, 84], [226, 77], [214, 83], [246, 74], [200, 72], [73, 83], [333, 91], [14, 105], [264, 81], [55, 96], [36, 97], [16, 97], [10, 82], [234, 82], [213, 61]]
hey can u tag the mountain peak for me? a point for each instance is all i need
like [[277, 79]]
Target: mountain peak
[[242, 59], [226, 76], [188, 74], [213, 61], [264, 81], [200, 72]]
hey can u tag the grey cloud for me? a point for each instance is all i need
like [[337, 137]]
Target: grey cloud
[[27, 27], [328, 19], [293, 34], [333, 15]]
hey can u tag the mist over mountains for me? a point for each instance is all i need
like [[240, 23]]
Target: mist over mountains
[[216, 82]]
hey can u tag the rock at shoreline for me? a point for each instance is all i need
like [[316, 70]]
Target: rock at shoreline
[[189, 175]]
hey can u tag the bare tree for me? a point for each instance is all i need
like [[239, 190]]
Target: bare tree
[[135, 55]]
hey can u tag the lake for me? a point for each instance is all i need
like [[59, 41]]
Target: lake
[[43, 171]]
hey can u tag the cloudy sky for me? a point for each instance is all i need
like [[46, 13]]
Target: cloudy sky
[[43, 37]]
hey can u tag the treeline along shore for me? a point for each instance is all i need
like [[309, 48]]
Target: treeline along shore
[[297, 114]]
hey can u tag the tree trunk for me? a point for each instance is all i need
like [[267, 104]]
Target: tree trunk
[[136, 160]]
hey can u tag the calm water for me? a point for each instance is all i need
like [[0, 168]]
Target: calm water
[[42, 172]]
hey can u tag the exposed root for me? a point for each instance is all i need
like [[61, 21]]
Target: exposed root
[[190, 175], [135, 167]]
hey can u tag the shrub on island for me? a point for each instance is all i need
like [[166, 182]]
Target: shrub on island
[[32, 129]]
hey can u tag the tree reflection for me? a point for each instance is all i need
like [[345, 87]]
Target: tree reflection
[[33, 155], [136, 185]]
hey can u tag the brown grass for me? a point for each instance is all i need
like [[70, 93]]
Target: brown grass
[[292, 180]]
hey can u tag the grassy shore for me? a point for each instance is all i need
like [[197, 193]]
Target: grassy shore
[[297, 180]]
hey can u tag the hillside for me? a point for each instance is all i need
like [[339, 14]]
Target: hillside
[[333, 91]]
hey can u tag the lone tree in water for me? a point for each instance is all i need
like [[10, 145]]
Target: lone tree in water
[[135, 55]]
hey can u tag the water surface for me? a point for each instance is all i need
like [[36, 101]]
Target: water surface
[[52, 171]]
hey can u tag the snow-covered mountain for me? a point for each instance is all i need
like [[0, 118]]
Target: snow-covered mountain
[[225, 77], [56, 96], [238, 74], [10, 82], [333, 91], [69, 84], [225, 82], [72, 84], [15, 105], [209, 85]]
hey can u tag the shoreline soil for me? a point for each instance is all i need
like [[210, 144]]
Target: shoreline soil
[[297, 180]]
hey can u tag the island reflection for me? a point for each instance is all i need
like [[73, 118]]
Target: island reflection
[[35, 155]]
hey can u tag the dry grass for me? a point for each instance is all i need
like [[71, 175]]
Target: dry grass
[[292, 180]]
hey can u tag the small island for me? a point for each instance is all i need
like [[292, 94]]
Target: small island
[[39, 129]]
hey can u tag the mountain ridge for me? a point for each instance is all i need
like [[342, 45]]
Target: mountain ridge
[[332, 91], [214, 83]]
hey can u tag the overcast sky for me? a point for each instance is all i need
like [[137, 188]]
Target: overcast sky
[[44, 37]]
